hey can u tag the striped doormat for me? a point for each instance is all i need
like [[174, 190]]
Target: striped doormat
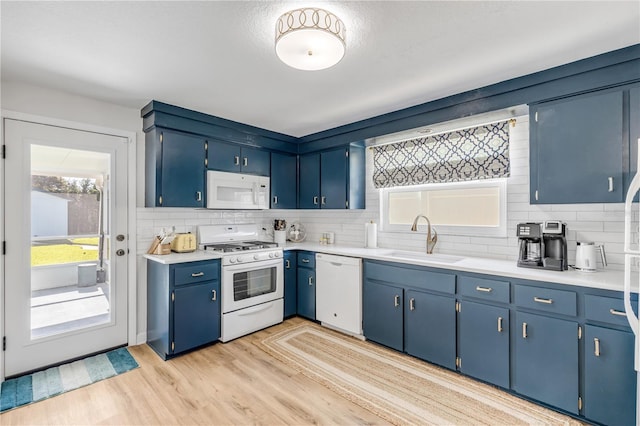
[[41, 385]]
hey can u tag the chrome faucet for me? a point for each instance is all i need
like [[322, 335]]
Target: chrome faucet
[[431, 239]]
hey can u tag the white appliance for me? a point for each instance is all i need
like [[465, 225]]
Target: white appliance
[[339, 292], [252, 278], [632, 250], [586, 255], [237, 191]]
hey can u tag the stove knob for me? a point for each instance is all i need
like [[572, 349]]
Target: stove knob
[[256, 257], [276, 254], [232, 260], [271, 255], [239, 259]]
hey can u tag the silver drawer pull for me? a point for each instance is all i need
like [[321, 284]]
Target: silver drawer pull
[[315, 200], [484, 289], [524, 330], [618, 313], [412, 304], [596, 346], [236, 160], [541, 300], [305, 260], [499, 324], [610, 182], [214, 295], [396, 301], [197, 274], [287, 264], [310, 280]]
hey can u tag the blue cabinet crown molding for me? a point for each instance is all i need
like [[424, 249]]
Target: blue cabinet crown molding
[[160, 114], [606, 70], [609, 69]]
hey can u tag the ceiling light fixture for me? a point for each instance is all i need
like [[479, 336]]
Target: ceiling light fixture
[[310, 39]]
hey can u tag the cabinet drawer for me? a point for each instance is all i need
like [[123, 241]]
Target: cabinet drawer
[[306, 259], [606, 309], [196, 272], [546, 299], [484, 288], [418, 278]]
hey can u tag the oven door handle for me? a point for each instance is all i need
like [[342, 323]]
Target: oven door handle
[[255, 309]]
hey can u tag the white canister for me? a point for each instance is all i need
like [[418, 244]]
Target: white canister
[[331, 237], [280, 237]]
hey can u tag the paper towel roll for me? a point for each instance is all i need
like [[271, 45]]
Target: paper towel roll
[[371, 235]]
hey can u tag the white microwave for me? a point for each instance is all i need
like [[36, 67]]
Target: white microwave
[[237, 191]]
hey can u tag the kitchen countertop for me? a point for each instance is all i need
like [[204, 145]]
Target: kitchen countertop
[[603, 279]]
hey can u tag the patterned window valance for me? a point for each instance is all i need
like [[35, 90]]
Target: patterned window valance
[[469, 154]]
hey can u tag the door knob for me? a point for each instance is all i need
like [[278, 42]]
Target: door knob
[[120, 252], [120, 237]]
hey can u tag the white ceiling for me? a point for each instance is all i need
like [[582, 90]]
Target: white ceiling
[[218, 57]]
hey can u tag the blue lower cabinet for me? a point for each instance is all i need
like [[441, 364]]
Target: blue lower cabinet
[[382, 312], [196, 304], [545, 363], [182, 314], [430, 327], [483, 342], [610, 380], [306, 282], [290, 284]]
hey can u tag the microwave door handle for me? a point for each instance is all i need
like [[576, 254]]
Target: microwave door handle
[[255, 193]]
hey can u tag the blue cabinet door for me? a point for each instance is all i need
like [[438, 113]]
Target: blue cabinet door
[[183, 171], [255, 161], [577, 149], [546, 360], [430, 327], [333, 179], [223, 156], [309, 181], [483, 342], [284, 192], [610, 380], [196, 315], [634, 130], [307, 293], [382, 307], [290, 284]]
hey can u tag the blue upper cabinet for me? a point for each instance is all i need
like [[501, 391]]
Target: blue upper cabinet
[[175, 169], [333, 179], [284, 168], [229, 157], [579, 148]]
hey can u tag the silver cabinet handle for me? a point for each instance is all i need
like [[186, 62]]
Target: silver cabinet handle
[[245, 161], [484, 289], [197, 274], [305, 260], [396, 301], [315, 200], [610, 180], [236, 160], [524, 330], [412, 304], [618, 313], [596, 346], [499, 324], [214, 295], [323, 200], [275, 199], [287, 264], [198, 196], [541, 300], [310, 280], [536, 195]]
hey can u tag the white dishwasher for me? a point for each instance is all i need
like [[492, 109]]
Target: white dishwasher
[[339, 292]]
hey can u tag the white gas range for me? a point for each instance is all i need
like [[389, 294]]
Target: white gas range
[[252, 281]]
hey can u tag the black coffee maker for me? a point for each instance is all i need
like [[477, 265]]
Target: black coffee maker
[[543, 245]]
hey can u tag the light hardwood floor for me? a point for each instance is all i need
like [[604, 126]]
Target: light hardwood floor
[[231, 383]]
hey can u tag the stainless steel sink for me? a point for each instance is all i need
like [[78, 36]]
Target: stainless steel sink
[[442, 258]]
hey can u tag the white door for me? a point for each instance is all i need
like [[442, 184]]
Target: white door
[[65, 224]]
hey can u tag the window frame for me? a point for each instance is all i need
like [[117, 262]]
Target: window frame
[[474, 231]]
